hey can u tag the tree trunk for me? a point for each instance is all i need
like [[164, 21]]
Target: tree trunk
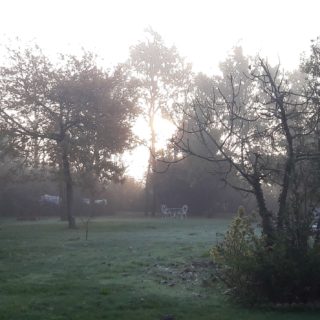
[[36, 157], [153, 168], [154, 198], [290, 162], [265, 214], [36, 160], [150, 191], [147, 189], [62, 194], [68, 187], [282, 212]]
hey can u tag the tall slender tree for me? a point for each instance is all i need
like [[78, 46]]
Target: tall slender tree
[[163, 76]]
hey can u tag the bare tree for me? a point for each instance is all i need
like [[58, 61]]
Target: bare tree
[[253, 123]]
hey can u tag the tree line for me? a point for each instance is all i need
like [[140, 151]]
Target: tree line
[[251, 130]]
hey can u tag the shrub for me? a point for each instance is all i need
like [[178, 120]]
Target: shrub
[[255, 272]]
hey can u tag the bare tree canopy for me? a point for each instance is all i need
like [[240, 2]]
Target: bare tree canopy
[[255, 122]]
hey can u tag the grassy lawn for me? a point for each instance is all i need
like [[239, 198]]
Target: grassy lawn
[[128, 269]]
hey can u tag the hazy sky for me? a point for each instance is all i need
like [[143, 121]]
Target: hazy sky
[[203, 31]]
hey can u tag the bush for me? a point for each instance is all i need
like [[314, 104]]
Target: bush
[[257, 273]]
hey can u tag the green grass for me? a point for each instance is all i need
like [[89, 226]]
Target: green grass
[[128, 269]]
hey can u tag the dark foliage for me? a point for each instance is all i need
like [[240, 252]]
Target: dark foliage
[[255, 272]]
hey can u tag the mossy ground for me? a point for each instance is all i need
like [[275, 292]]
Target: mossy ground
[[127, 269]]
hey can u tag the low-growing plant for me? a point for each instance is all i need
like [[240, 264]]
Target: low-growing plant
[[257, 272]]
